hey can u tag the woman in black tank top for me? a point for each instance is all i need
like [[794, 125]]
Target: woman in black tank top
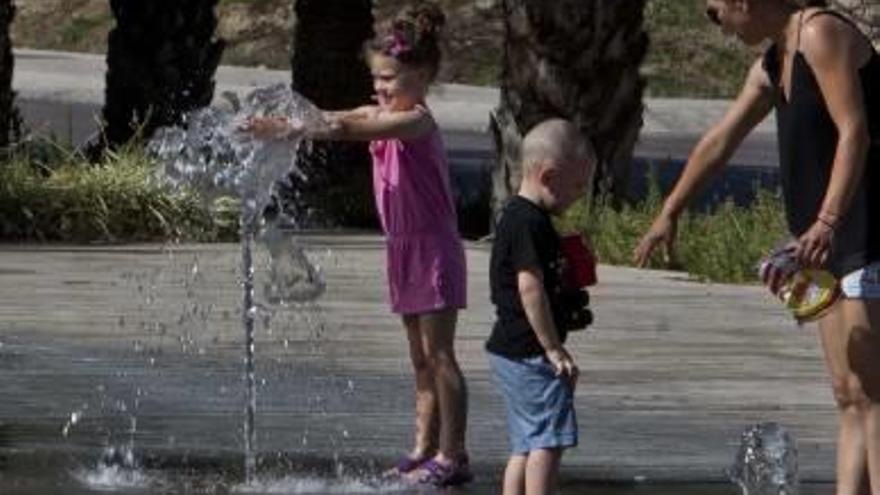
[[822, 77]]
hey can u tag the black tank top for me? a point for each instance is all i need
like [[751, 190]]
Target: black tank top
[[807, 143]]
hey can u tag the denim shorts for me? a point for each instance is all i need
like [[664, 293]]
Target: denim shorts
[[863, 283], [540, 405]]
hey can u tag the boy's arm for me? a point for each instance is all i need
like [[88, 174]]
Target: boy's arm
[[530, 283]]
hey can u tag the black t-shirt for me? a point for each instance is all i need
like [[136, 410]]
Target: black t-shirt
[[524, 239]]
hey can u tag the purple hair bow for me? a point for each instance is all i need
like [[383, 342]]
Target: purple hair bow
[[396, 44]]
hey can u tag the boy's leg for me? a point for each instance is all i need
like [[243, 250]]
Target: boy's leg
[[851, 343], [515, 475], [427, 413], [542, 468], [438, 334]]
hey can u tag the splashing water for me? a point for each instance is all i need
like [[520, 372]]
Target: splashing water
[[291, 277], [315, 485], [75, 416], [117, 469], [211, 154], [766, 463]]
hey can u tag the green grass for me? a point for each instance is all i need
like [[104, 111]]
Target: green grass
[[720, 246], [80, 28], [688, 56], [55, 195], [48, 193]]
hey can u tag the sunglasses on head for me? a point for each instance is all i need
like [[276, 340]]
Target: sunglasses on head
[[712, 14]]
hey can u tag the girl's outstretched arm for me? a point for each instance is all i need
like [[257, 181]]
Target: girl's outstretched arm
[[363, 112], [373, 125], [279, 128], [360, 124]]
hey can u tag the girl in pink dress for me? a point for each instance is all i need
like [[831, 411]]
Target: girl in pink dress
[[425, 257]]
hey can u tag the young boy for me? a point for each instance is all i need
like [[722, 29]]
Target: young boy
[[530, 365]]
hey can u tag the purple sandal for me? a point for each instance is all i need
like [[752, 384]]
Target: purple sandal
[[407, 464], [454, 474]]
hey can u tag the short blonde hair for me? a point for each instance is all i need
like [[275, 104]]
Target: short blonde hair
[[556, 140]]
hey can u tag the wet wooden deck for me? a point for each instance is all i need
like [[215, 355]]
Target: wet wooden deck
[[673, 370]]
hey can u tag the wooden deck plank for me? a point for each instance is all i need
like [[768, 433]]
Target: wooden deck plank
[[672, 370]]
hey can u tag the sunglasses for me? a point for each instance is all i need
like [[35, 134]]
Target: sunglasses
[[712, 14]]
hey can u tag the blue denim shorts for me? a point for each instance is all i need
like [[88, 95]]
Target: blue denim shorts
[[540, 405], [863, 283]]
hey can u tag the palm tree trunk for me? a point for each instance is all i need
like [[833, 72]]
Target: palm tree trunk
[[161, 60], [8, 114], [329, 69], [576, 59]]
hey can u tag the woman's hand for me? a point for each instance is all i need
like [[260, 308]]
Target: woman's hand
[[664, 229], [814, 246]]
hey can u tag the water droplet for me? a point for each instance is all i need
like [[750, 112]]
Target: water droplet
[[71, 422]]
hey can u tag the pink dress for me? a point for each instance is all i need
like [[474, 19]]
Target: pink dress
[[425, 257]]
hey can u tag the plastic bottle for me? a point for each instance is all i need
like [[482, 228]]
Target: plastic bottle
[[807, 292]]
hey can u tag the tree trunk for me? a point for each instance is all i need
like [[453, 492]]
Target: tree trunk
[[161, 60], [329, 69], [8, 114], [576, 59]]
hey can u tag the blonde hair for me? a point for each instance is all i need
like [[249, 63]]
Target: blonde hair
[[554, 139], [414, 36]]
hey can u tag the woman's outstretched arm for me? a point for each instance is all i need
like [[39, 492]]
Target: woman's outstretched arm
[[708, 157]]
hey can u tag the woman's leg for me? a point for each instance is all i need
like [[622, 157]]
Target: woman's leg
[[850, 341], [427, 413], [438, 337], [863, 317]]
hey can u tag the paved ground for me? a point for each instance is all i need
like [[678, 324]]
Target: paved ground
[[92, 338]]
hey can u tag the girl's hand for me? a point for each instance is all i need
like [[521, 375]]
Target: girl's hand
[[814, 246], [664, 229], [267, 128]]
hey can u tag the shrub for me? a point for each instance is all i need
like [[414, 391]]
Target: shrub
[[723, 245], [49, 195]]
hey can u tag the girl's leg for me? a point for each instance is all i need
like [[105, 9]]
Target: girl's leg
[[438, 337], [542, 469], [427, 413], [849, 339], [515, 475]]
